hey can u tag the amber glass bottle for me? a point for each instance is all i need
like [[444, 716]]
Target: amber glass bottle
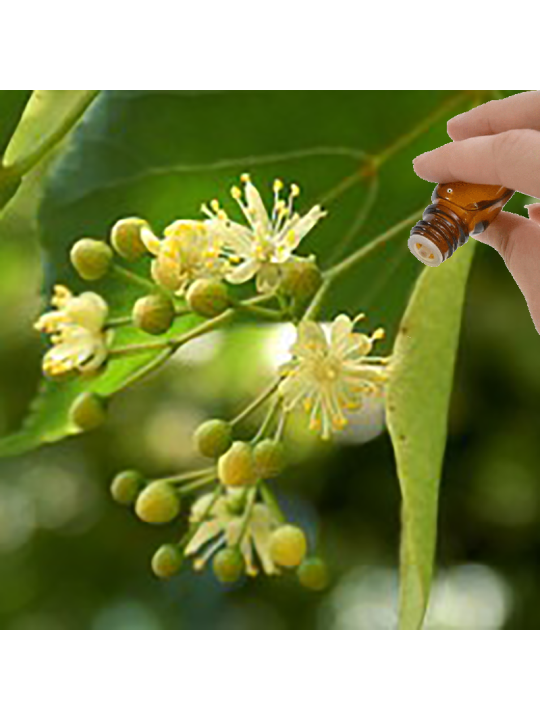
[[458, 209]]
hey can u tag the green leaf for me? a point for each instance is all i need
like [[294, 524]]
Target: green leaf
[[12, 104], [417, 408]]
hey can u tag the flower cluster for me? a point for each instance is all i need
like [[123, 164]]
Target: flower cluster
[[232, 516], [192, 261]]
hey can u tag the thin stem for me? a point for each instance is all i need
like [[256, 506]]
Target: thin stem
[[360, 254], [252, 495], [316, 302], [22, 166], [190, 475], [174, 343], [185, 489], [255, 310], [133, 278], [263, 397], [118, 322], [268, 419], [142, 372], [281, 426]]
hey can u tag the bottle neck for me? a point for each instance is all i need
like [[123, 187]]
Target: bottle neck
[[443, 228]]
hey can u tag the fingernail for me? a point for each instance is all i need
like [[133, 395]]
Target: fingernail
[[531, 205]]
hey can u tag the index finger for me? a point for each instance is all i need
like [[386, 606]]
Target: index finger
[[496, 116], [511, 159]]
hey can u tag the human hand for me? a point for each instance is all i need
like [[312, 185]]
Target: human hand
[[499, 144]]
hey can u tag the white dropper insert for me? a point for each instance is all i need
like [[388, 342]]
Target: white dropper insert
[[425, 250]]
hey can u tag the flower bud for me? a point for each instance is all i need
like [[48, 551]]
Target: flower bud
[[208, 297], [126, 486], [126, 238], [288, 546], [269, 456], [158, 503], [237, 467], [154, 314], [313, 574], [91, 258], [167, 561], [228, 565], [213, 438], [236, 501], [88, 411], [300, 278]]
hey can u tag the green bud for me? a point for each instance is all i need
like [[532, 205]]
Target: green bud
[[167, 561], [126, 238], [228, 565], [313, 574], [288, 546], [213, 438], [154, 314], [301, 278], [91, 258], [88, 411], [269, 456], [126, 486], [208, 298], [237, 467], [158, 503]]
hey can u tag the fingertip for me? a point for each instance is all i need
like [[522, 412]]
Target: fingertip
[[419, 164], [454, 125]]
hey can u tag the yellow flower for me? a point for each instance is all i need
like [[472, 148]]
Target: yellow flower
[[268, 241], [330, 373], [188, 251], [223, 527], [77, 332]]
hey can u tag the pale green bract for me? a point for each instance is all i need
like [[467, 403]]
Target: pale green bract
[[418, 397]]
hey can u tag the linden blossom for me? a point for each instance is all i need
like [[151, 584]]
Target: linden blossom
[[330, 375], [225, 526], [270, 240], [188, 252], [77, 332]]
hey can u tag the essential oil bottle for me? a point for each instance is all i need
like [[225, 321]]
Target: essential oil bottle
[[457, 210]]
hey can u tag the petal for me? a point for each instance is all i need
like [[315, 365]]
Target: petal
[[310, 339], [150, 241], [207, 531], [261, 526], [166, 272], [243, 272], [233, 236], [308, 222], [88, 310], [341, 337], [257, 211], [297, 228]]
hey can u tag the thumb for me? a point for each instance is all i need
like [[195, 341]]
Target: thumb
[[517, 240]]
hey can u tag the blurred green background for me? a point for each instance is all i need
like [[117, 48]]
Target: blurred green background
[[71, 558]]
